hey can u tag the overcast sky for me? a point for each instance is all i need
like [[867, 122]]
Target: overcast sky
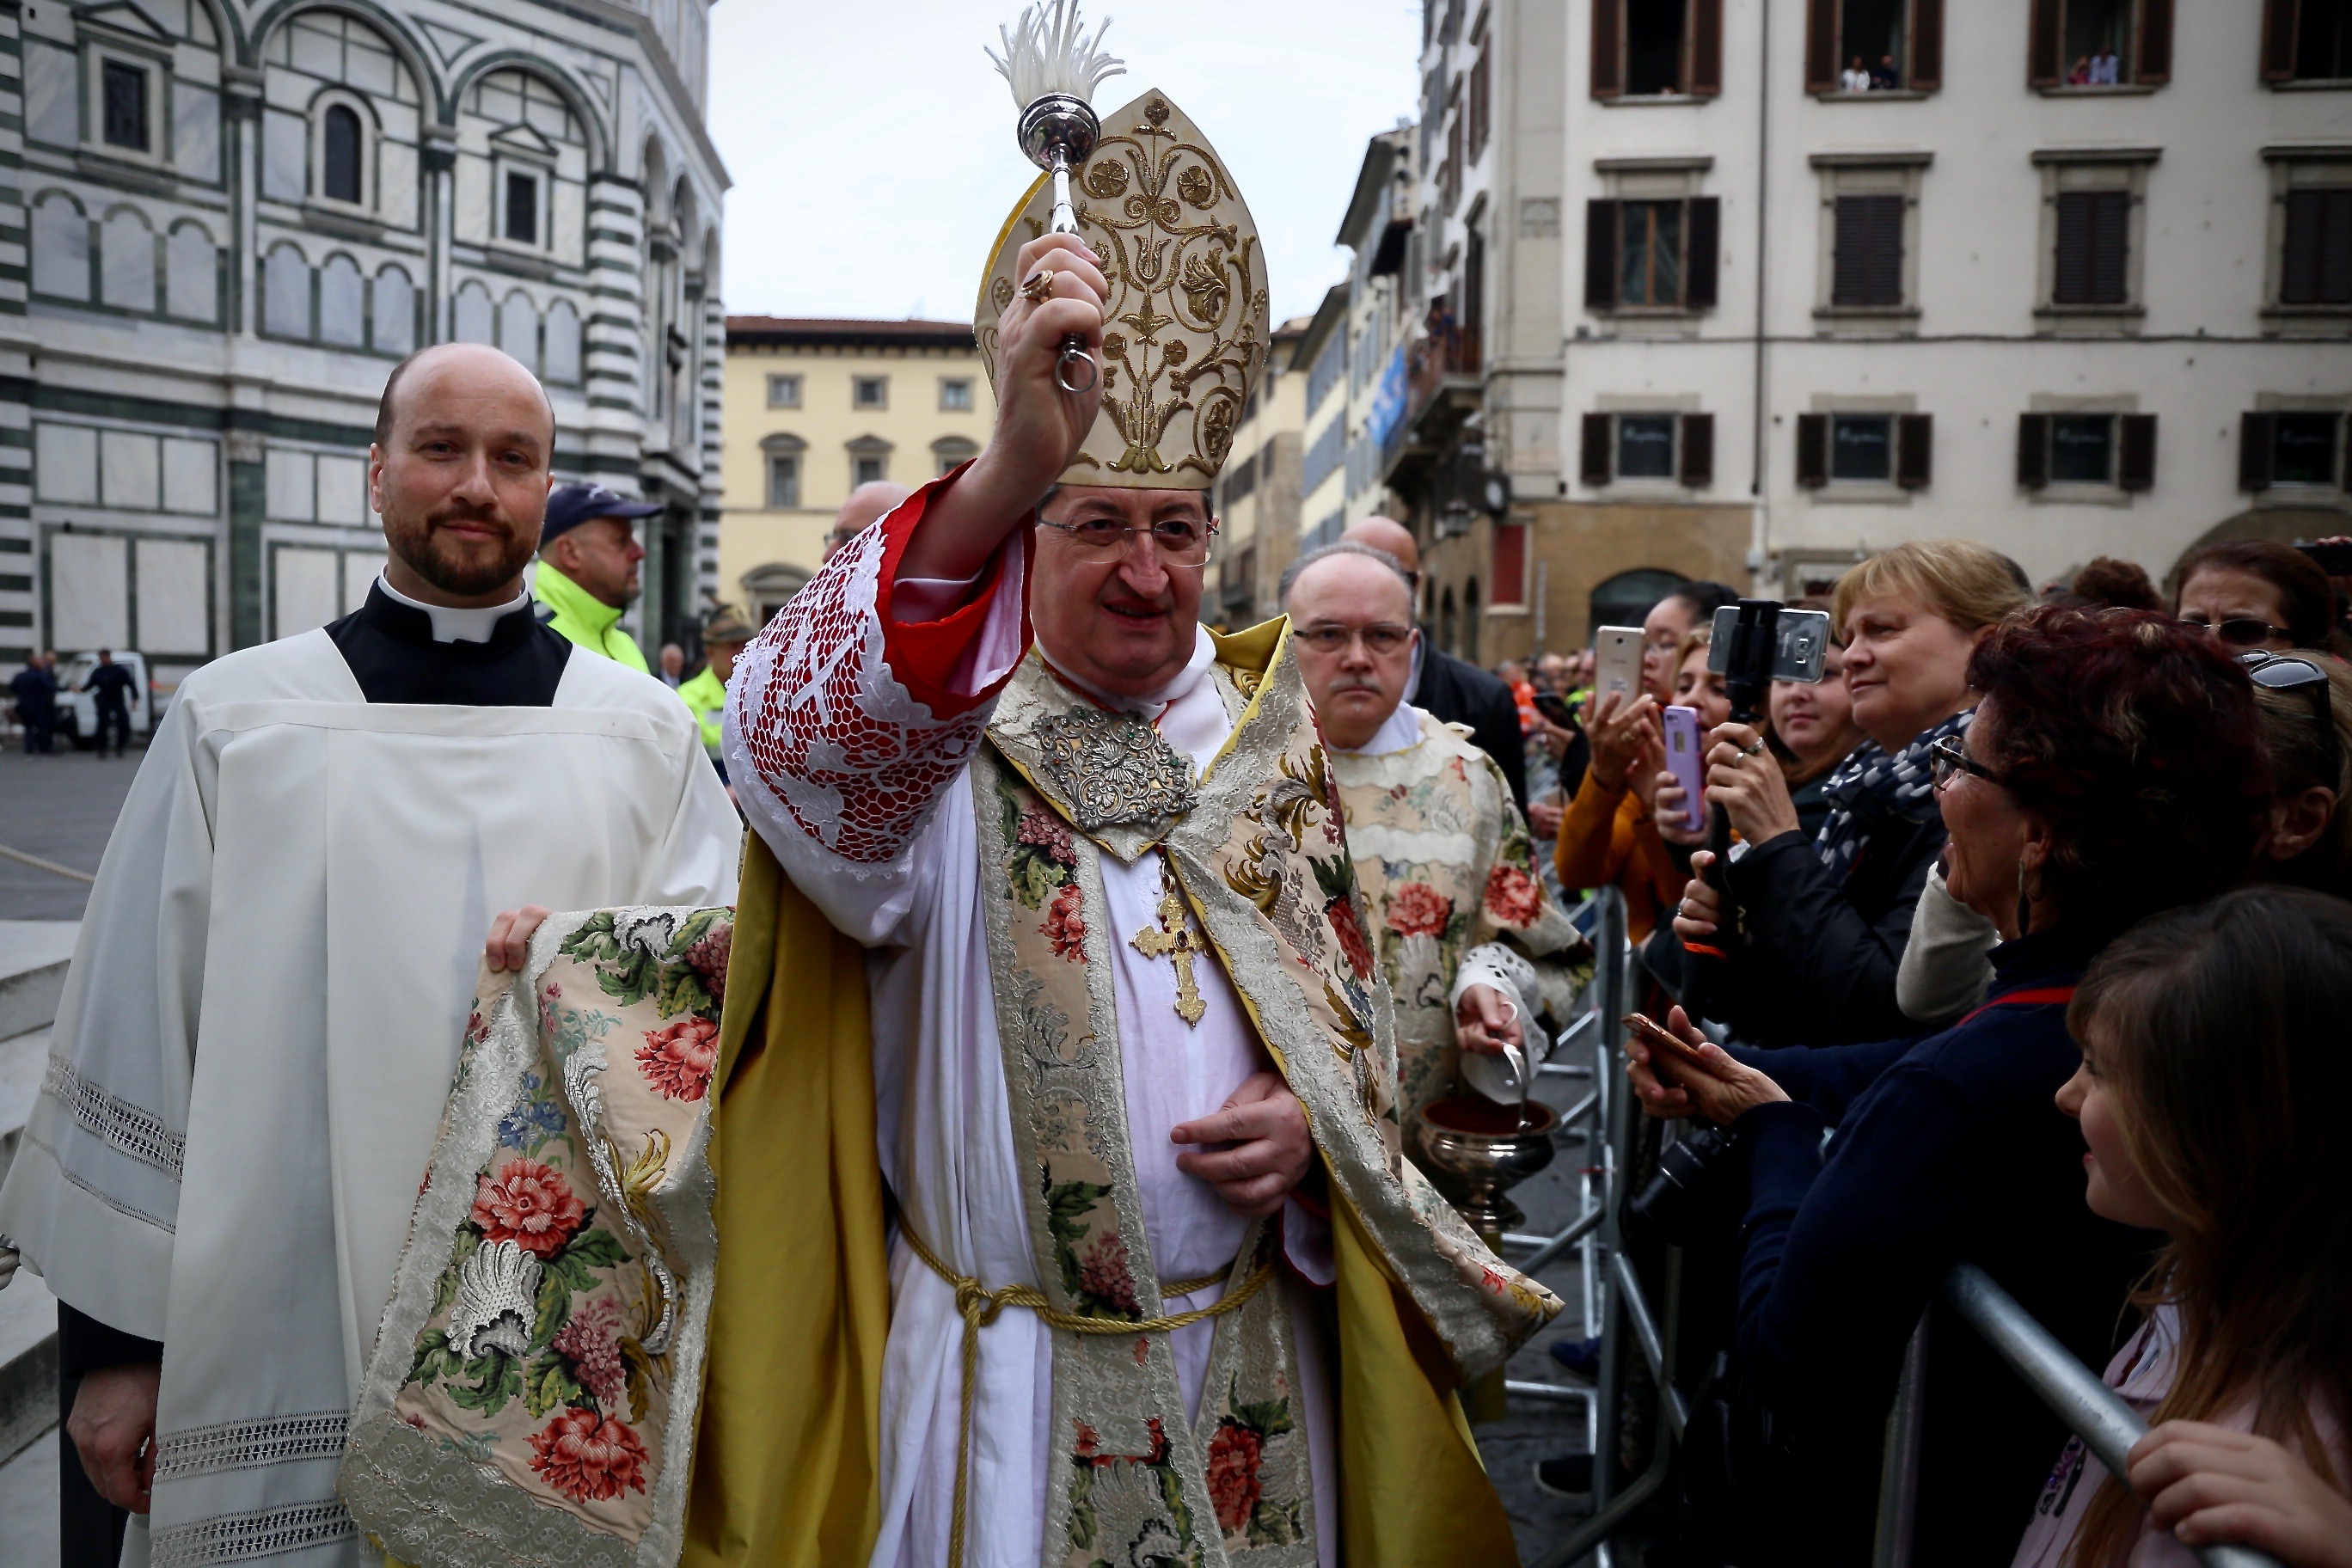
[[871, 143]]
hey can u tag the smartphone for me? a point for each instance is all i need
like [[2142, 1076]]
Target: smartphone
[[1683, 761], [2334, 556], [1556, 708], [1658, 1038], [1617, 663], [1800, 644]]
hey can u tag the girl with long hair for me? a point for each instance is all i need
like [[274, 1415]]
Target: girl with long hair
[[2211, 1096]]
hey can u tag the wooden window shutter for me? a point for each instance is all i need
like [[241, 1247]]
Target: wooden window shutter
[[2093, 248], [1509, 571], [1927, 46], [1868, 259], [1597, 460], [2278, 39], [2315, 268], [1601, 255], [2043, 67], [1914, 450], [2033, 450], [1703, 234], [2154, 66], [1820, 46], [1608, 50], [1813, 450], [1706, 18], [1698, 451], [2136, 462], [2256, 435]]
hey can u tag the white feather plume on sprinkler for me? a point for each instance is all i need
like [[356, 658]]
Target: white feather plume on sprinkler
[[1051, 54]]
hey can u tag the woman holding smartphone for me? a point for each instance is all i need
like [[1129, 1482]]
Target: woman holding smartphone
[[2112, 771], [2210, 1096], [1805, 947]]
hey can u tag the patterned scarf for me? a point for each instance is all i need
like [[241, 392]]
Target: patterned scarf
[[1872, 785]]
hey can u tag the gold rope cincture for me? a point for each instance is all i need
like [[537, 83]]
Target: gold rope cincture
[[980, 1306]]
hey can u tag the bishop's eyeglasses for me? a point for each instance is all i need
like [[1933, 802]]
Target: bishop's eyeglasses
[[1179, 541]]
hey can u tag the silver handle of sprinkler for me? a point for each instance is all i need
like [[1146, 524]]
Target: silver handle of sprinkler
[[1056, 132], [1068, 374]]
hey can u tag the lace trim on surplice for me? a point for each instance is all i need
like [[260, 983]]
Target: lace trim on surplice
[[839, 745], [250, 1445], [264, 1532], [137, 1132]]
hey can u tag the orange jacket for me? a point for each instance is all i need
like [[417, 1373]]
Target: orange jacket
[[1607, 836]]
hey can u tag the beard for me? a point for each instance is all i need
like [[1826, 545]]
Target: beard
[[456, 564]]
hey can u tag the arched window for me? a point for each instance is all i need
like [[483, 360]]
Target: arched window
[[1624, 600], [343, 303], [1445, 620], [126, 257], [475, 317], [286, 293], [519, 329], [340, 143], [60, 247], [1470, 621], [394, 327], [562, 355], [192, 274]]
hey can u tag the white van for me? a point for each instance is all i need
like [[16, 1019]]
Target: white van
[[77, 709]]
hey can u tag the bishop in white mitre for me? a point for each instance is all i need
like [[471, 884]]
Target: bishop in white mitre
[[1116, 958], [272, 980]]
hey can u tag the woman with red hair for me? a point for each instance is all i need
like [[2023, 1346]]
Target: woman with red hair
[[2112, 771]]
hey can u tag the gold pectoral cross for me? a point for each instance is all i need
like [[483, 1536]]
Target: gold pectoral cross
[[1176, 939]]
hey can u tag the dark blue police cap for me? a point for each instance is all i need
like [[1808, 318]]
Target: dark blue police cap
[[569, 506]]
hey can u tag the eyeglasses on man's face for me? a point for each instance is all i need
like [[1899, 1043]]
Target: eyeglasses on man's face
[[1949, 758], [2238, 631], [1380, 639], [1178, 541]]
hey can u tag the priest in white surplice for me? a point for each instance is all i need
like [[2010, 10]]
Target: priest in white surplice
[[273, 976], [1110, 920]]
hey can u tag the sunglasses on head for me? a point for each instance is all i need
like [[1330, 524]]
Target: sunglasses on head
[[2280, 671]]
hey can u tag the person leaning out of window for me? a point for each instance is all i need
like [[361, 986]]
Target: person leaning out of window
[[2112, 771], [1607, 836], [1823, 921], [2212, 1072]]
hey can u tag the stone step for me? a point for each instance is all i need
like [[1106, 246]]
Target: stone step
[[28, 1502], [28, 1363], [33, 956], [23, 1062]]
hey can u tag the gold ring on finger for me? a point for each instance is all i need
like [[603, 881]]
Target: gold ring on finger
[[1039, 288]]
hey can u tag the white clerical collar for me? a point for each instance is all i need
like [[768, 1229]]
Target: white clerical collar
[[452, 625], [1150, 703], [1400, 732]]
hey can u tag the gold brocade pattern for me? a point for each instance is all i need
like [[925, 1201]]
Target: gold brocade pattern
[[1187, 326]]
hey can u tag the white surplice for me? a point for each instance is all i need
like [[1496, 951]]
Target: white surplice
[[944, 1123], [263, 1009]]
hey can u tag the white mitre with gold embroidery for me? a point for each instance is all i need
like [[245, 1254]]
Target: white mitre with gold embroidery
[[1186, 324]]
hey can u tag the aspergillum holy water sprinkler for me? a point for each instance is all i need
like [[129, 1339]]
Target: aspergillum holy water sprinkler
[[1053, 69]]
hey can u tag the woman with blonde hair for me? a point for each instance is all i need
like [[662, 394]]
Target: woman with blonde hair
[[1806, 936]]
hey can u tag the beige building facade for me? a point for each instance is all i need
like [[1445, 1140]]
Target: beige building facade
[[815, 408], [1256, 496]]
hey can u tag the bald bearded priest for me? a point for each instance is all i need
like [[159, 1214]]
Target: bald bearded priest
[[1160, 1287], [274, 976]]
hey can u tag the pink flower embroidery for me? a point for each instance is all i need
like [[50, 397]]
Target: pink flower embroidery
[[1063, 927], [1233, 1487], [528, 1203], [1043, 829], [1512, 897], [589, 1457], [1103, 1272], [587, 1342], [678, 1059], [1342, 913], [1419, 909], [707, 958]]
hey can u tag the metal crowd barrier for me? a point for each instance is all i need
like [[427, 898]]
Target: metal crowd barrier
[[1617, 1309]]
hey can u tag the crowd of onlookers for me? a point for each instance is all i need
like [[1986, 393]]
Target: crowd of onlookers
[[2031, 950]]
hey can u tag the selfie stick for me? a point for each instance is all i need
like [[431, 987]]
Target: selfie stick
[[1747, 678]]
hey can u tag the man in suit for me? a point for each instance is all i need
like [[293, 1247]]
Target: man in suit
[[1450, 688]]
